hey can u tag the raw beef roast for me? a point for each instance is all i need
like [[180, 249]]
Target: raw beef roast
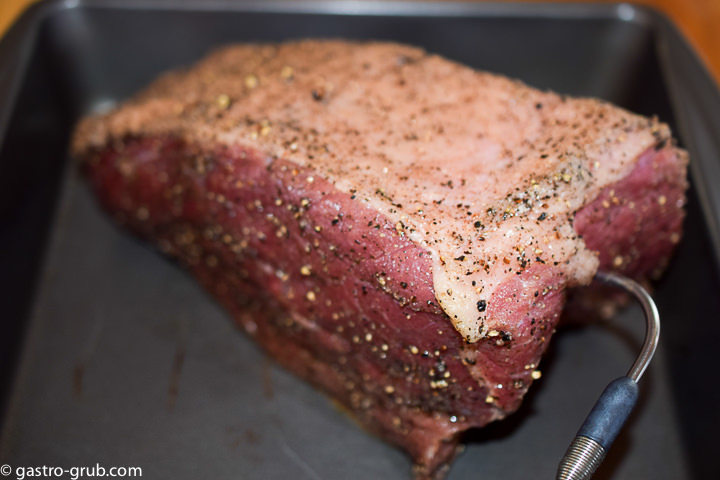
[[396, 228]]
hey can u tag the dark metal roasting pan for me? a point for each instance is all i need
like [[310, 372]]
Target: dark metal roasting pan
[[111, 355]]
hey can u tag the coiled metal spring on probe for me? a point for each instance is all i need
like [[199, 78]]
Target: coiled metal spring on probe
[[612, 409]]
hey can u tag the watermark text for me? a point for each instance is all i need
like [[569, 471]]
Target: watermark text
[[73, 473]]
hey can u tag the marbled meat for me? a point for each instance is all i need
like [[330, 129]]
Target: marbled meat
[[396, 228]]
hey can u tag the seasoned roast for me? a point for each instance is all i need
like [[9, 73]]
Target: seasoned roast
[[396, 228]]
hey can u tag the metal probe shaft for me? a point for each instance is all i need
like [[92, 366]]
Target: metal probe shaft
[[612, 409]]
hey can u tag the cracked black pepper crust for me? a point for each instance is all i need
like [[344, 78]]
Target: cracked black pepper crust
[[456, 158]]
